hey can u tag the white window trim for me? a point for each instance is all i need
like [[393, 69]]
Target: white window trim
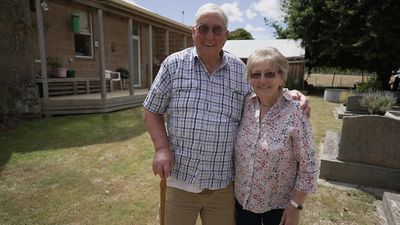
[[90, 16]]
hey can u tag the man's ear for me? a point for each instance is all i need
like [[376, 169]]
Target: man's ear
[[193, 32]]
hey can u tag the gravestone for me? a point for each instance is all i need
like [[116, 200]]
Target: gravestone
[[353, 105], [372, 140], [365, 152], [397, 95], [333, 95]]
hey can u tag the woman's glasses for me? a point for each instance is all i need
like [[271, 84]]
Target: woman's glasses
[[204, 29], [267, 75]]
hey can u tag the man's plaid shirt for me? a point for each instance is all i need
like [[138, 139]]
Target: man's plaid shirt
[[203, 112]]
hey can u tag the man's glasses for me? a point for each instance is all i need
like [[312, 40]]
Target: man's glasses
[[267, 75], [204, 29]]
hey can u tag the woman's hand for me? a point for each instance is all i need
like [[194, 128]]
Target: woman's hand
[[291, 216]]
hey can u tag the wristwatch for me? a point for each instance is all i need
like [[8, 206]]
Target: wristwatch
[[294, 204]]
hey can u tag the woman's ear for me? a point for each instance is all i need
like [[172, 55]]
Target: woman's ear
[[282, 81]]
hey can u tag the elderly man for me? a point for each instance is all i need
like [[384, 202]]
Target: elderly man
[[201, 90]]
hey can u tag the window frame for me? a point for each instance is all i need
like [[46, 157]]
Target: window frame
[[89, 33]]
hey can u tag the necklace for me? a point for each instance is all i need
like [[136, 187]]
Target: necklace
[[211, 67]]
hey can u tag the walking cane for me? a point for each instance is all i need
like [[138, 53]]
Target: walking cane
[[163, 186]]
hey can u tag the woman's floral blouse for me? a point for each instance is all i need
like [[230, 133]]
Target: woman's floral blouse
[[273, 157]]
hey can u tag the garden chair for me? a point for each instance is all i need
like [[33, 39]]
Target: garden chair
[[113, 77]]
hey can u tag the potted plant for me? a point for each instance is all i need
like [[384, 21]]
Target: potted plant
[[57, 64], [378, 102]]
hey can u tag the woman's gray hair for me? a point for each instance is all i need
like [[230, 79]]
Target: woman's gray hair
[[268, 55], [214, 9]]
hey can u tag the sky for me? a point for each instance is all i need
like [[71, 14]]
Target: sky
[[241, 13]]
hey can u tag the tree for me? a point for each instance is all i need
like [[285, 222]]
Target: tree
[[240, 34], [280, 32], [361, 34]]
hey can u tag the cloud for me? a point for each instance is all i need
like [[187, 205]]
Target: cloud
[[260, 32], [250, 14], [250, 28], [269, 8], [233, 12]]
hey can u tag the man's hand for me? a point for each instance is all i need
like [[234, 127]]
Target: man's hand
[[163, 162], [304, 104]]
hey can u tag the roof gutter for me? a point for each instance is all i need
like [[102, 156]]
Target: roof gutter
[[154, 17]]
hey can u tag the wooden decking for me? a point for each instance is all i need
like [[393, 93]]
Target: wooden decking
[[73, 86], [92, 103]]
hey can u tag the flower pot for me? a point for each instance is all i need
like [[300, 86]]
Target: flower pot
[[71, 73], [61, 72]]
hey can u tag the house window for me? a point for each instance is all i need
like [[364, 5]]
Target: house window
[[84, 37], [135, 29]]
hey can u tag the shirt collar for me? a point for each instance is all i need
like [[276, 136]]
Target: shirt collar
[[224, 61]]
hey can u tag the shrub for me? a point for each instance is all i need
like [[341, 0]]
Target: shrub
[[378, 102], [55, 61], [372, 84]]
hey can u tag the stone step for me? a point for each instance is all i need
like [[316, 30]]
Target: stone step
[[391, 207]]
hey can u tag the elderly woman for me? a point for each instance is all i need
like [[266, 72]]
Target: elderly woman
[[275, 159]]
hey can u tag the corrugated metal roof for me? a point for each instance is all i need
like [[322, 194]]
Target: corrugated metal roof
[[243, 48]]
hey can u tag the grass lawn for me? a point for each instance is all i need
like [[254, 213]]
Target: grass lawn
[[96, 169]]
